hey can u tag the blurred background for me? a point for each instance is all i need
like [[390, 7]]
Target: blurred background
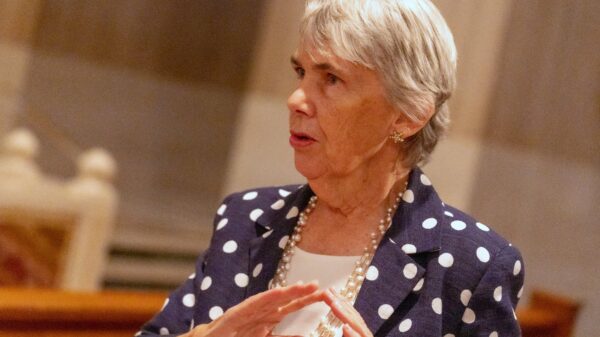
[[187, 99]]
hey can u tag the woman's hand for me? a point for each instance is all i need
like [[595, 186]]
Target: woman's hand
[[258, 315], [354, 324]]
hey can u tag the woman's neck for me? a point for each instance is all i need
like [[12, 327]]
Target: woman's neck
[[349, 209], [362, 192]]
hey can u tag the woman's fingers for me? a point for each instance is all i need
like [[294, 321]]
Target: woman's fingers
[[344, 310], [269, 301], [263, 308], [281, 296], [301, 302], [349, 332]]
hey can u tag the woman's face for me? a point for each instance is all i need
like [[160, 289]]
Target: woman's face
[[340, 119]]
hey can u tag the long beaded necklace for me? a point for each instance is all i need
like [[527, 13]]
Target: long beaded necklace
[[330, 323]]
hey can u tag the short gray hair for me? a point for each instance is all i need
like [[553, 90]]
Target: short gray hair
[[407, 42]]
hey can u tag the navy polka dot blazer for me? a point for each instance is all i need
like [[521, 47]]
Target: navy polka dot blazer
[[437, 272]]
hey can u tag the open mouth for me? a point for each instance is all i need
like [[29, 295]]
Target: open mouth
[[304, 137], [299, 139]]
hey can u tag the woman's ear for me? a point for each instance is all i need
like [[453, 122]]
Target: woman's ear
[[407, 126]]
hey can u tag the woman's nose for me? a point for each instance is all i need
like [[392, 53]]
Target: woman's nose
[[298, 102]]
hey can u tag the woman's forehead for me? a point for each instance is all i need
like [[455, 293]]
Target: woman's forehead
[[308, 55]]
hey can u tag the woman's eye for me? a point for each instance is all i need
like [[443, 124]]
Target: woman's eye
[[332, 79], [299, 72]]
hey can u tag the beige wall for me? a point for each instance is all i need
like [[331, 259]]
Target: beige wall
[[539, 176], [18, 21]]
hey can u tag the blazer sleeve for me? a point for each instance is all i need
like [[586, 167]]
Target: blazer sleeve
[[491, 309], [176, 316]]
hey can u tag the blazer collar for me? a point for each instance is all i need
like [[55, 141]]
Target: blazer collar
[[274, 229], [414, 231], [397, 259]]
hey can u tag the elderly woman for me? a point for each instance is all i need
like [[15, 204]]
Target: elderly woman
[[366, 247]]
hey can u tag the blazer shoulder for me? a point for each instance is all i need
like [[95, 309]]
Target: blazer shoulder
[[460, 228], [257, 197], [255, 205]]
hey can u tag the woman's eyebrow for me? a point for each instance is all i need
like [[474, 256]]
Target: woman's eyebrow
[[319, 66]]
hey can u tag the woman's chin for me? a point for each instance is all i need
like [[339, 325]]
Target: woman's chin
[[309, 169]]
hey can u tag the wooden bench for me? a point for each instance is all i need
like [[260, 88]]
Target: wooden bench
[[54, 313]]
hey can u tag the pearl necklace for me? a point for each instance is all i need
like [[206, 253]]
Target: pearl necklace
[[330, 323]]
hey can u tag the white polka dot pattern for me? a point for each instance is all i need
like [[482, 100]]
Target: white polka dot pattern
[[385, 311], [277, 205], [241, 280], [409, 249], [165, 304], [482, 227], [446, 260], [164, 331], [215, 312], [410, 271], [257, 270], [465, 297], [230, 246], [517, 268], [468, 316], [222, 209], [283, 192], [189, 300], [425, 180], [222, 223], [458, 225], [292, 213], [408, 196], [405, 325], [436, 305], [494, 334], [429, 223], [283, 241], [520, 293], [449, 214], [419, 285], [250, 196], [498, 294], [206, 283], [372, 273], [483, 254], [255, 214]]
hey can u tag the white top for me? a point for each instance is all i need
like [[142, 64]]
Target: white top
[[329, 271]]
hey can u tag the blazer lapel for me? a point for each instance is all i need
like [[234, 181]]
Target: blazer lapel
[[395, 270], [266, 249]]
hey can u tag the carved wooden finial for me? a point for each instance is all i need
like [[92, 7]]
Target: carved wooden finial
[[21, 143], [97, 163]]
